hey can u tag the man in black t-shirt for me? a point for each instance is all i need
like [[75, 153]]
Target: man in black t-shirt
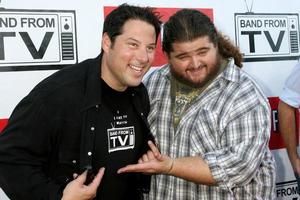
[[121, 143], [84, 118]]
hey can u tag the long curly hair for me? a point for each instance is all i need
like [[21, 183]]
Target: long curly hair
[[188, 25]]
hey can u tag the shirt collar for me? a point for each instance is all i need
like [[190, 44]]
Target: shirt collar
[[92, 97], [231, 72], [93, 84], [165, 71]]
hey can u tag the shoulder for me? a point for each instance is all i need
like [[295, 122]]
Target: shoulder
[[157, 72], [249, 83], [240, 90], [249, 92], [63, 83], [158, 79]]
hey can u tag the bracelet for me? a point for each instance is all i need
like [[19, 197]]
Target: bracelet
[[168, 172]]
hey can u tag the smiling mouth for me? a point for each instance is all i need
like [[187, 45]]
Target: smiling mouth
[[136, 68], [196, 70]]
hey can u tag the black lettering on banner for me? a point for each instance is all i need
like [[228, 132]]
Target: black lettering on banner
[[251, 23], [251, 34], [45, 39], [8, 22], [287, 191], [268, 36], [2, 35], [31, 47], [37, 22], [274, 23], [251, 38], [275, 48]]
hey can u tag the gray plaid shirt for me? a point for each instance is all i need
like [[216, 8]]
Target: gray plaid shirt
[[228, 125]]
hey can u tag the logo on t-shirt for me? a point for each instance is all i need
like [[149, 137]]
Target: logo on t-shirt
[[120, 138]]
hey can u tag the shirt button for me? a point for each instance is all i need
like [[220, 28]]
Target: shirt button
[[132, 94], [142, 114], [97, 106], [74, 161], [92, 128], [89, 153]]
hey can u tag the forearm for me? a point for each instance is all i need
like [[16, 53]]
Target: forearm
[[288, 129], [193, 169]]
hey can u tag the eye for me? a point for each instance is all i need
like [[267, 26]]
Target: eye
[[183, 58], [202, 52], [150, 48], [134, 45]]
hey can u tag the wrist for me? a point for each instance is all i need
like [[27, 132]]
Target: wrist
[[171, 166]]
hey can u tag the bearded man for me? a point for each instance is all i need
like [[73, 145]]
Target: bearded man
[[210, 120]]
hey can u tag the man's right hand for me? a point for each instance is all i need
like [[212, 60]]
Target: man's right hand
[[77, 190]]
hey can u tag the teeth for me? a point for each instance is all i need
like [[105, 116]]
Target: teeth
[[136, 68]]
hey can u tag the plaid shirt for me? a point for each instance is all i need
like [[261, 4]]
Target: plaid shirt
[[228, 125]]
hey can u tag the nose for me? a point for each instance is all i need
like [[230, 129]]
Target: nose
[[195, 63], [142, 55]]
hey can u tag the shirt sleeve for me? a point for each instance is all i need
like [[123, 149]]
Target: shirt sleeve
[[24, 151], [236, 163], [291, 89]]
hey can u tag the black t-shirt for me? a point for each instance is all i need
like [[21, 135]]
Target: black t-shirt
[[117, 144]]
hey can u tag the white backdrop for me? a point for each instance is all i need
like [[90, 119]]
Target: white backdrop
[[270, 74]]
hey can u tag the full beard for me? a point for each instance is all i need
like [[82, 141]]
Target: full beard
[[198, 84]]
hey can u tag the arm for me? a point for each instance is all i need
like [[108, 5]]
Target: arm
[[228, 166], [288, 132], [193, 169], [25, 147], [243, 152], [189, 168]]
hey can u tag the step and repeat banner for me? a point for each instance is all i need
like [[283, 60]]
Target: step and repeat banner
[[38, 38]]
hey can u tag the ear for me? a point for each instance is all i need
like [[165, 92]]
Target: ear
[[106, 42]]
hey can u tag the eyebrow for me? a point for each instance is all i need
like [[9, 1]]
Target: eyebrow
[[137, 41], [185, 53]]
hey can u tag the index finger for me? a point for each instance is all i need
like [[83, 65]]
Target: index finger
[[154, 149], [141, 167], [96, 181]]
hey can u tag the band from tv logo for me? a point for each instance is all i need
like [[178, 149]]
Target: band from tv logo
[[41, 37], [120, 138], [265, 37]]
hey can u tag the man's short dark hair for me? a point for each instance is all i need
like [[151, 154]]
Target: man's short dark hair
[[114, 21]]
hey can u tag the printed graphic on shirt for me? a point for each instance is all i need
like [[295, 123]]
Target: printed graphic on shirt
[[180, 104], [120, 138]]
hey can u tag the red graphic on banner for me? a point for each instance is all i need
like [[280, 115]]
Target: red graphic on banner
[[3, 123], [276, 141], [160, 58]]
